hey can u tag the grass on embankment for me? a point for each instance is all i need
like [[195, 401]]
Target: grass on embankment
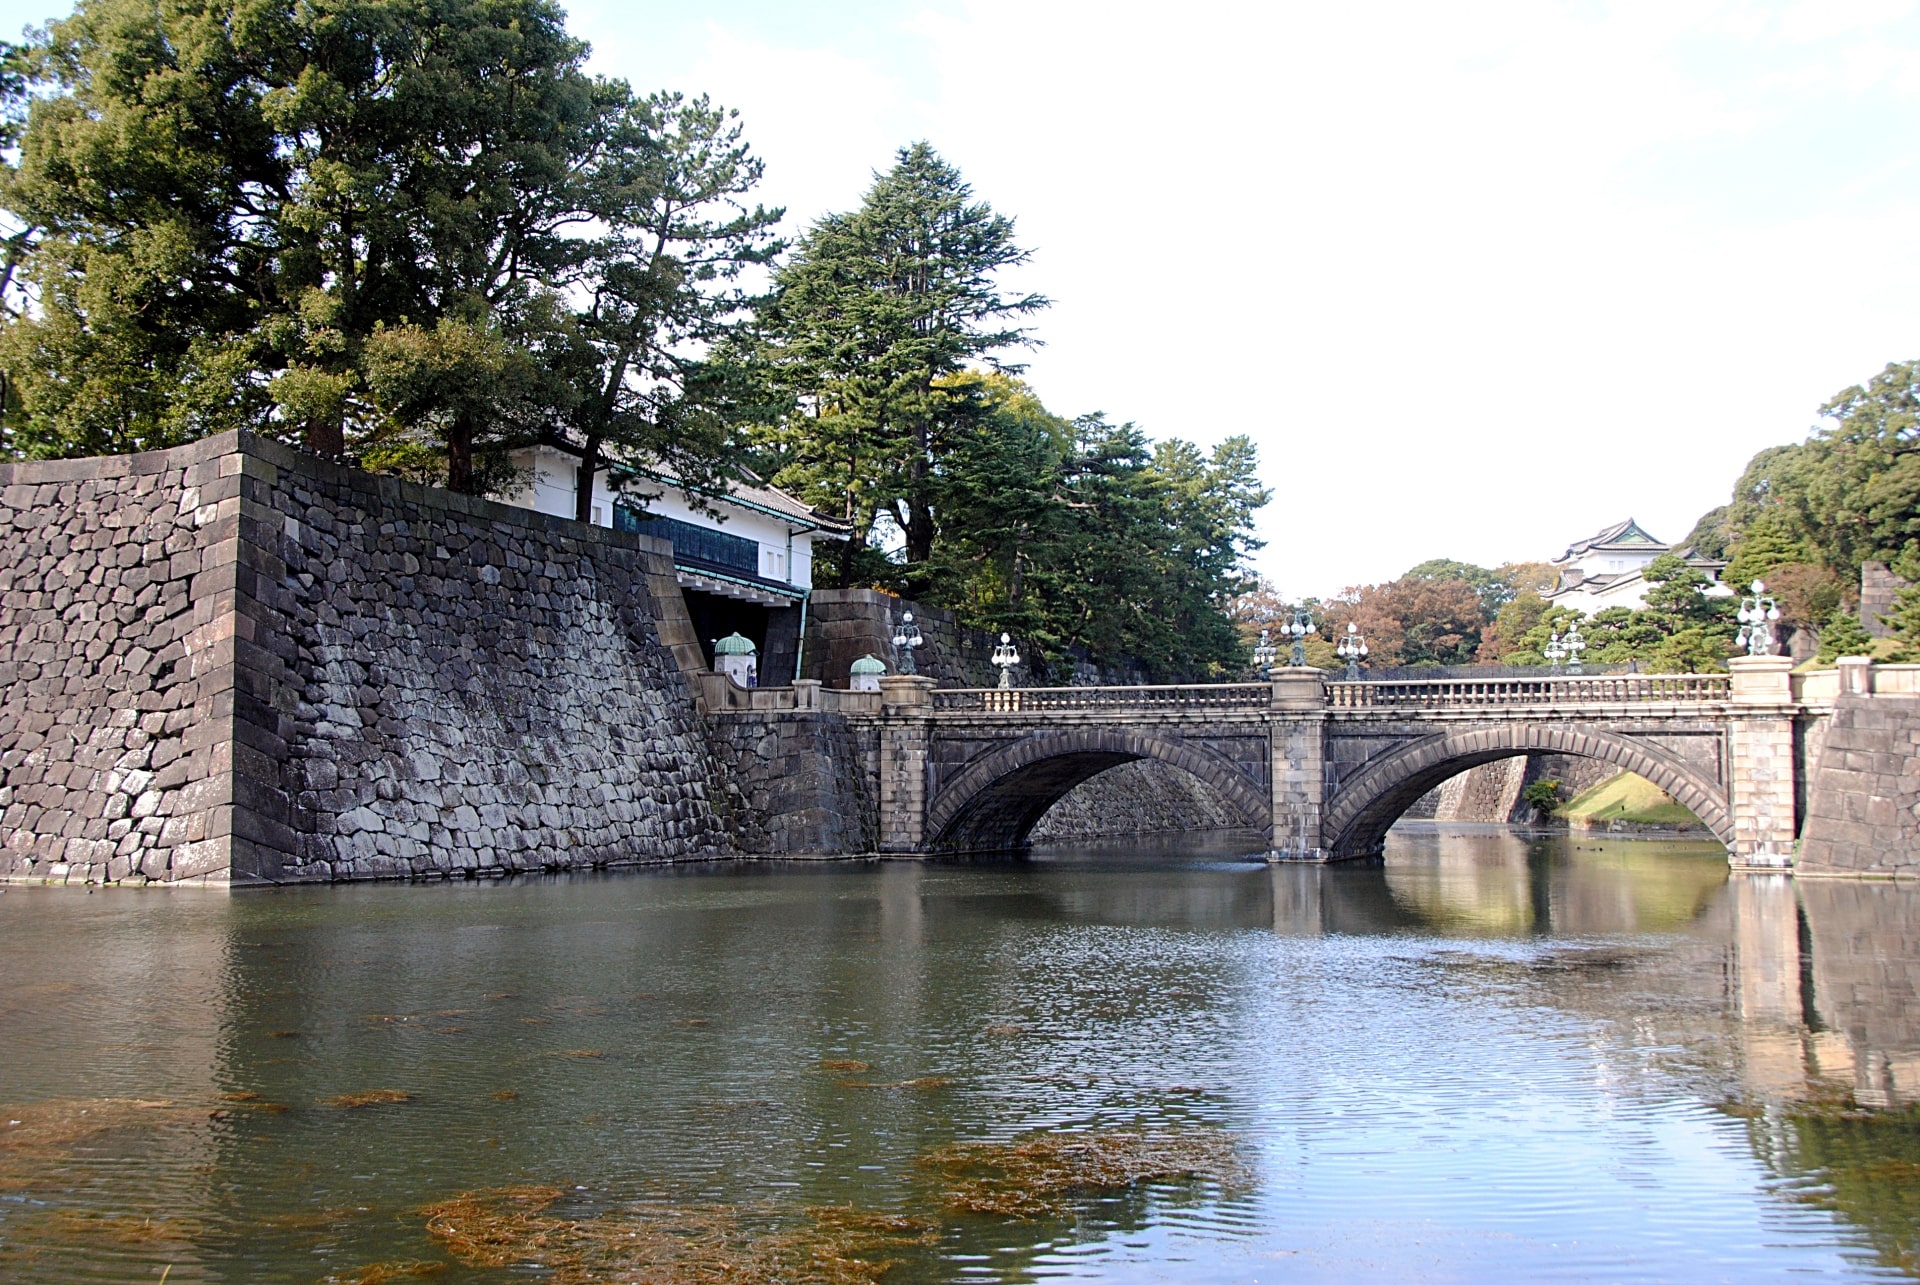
[[1626, 797]]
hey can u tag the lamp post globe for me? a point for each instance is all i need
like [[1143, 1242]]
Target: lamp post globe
[[1299, 628], [1574, 644], [1758, 614], [906, 639], [1352, 648], [1264, 654], [1555, 652], [1006, 656]]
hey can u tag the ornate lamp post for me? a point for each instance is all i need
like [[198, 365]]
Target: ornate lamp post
[[1758, 612], [1006, 655], [1555, 652], [906, 638], [1574, 644], [1264, 654], [1299, 627], [1352, 648]]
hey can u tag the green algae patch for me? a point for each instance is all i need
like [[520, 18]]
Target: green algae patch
[[670, 1244], [1040, 1175]]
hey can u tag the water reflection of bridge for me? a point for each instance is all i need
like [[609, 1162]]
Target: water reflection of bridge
[[1814, 984]]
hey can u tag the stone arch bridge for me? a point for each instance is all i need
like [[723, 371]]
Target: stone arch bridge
[[1322, 769]]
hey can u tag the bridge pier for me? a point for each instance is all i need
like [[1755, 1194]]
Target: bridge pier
[[906, 727], [1762, 781], [1298, 770]]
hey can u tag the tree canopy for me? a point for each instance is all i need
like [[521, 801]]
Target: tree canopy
[[414, 230]]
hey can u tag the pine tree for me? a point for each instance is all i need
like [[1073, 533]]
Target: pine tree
[[1904, 620], [1842, 635], [876, 310]]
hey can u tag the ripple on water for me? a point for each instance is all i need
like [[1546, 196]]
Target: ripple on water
[[1416, 1088]]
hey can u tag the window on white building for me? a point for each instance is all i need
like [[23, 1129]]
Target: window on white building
[[599, 515]]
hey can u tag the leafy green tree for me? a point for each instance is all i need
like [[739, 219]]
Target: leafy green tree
[[1083, 535], [1530, 648], [1842, 635], [1769, 542], [326, 221], [877, 309], [1004, 505], [1503, 640], [1849, 493], [1543, 796]]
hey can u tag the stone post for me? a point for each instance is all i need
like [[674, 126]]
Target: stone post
[[906, 708], [1296, 730], [1856, 675], [1761, 776]]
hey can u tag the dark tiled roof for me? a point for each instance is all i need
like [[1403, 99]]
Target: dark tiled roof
[[1621, 535]]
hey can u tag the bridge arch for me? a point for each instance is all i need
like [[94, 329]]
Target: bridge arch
[[1362, 809], [996, 799]]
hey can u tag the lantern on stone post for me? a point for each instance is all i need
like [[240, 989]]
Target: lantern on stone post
[[866, 673], [1299, 628], [1758, 614], [737, 658], [1574, 644], [1264, 655]]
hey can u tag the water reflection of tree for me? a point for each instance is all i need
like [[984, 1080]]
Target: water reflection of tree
[[1861, 1163], [1500, 883]]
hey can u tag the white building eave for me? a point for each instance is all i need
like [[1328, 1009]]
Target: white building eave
[[738, 587]]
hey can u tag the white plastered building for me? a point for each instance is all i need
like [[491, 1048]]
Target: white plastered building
[[1607, 569], [743, 556]]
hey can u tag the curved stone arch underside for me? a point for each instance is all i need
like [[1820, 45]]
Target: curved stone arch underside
[[997, 799], [1360, 813]]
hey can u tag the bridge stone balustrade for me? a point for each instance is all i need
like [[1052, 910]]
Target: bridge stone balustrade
[[1322, 769]]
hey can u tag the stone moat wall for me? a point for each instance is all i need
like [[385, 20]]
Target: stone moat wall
[[1863, 805], [797, 784], [1144, 797], [288, 670], [116, 687]]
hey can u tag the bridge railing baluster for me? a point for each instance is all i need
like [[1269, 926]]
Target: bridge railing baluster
[[1617, 689]]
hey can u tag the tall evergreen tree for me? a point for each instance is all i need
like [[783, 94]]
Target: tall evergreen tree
[[879, 307]]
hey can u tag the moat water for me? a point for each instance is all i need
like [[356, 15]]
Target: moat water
[[1488, 1057]]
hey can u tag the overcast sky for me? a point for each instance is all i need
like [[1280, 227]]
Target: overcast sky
[[1479, 278]]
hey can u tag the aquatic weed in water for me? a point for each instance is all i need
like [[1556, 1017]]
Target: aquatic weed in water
[[368, 1098], [661, 1243], [1039, 1175]]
